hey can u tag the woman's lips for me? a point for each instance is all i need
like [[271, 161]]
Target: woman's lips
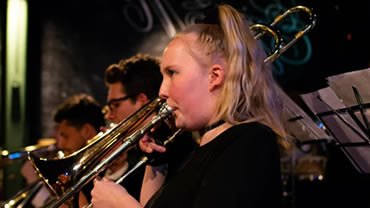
[[174, 113]]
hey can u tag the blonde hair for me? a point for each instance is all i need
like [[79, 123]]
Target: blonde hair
[[249, 92]]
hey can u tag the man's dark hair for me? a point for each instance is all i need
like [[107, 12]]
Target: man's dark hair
[[138, 74], [80, 109]]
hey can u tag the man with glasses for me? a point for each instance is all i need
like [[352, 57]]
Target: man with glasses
[[132, 83]]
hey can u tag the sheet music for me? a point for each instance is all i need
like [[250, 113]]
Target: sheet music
[[300, 125], [341, 131], [326, 94], [331, 105], [359, 156], [359, 116], [342, 86]]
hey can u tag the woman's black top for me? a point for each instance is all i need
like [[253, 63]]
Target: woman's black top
[[239, 168]]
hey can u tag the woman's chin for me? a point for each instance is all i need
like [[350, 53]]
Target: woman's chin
[[179, 124]]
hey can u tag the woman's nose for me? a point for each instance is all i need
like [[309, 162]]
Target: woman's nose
[[163, 90]]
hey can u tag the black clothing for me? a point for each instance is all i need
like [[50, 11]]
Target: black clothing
[[133, 183], [176, 152], [86, 190], [239, 168]]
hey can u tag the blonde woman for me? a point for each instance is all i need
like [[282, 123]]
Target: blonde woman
[[215, 79]]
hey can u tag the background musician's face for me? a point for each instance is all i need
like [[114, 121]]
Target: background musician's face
[[70, 138], [120, 109]]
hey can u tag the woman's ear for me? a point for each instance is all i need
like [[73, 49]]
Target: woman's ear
[[216, 76]]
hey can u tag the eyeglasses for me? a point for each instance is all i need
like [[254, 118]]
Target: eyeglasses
[[114, 103]]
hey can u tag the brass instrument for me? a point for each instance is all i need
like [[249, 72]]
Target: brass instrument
[[280, 47], [24, 196], [66, 176], [143, 161], [45, 146]]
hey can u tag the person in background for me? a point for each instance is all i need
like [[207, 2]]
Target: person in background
[[132, 83], [215, 79], [78, 119]]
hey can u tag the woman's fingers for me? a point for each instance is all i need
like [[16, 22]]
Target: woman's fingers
[[148, 145], [157, 147]]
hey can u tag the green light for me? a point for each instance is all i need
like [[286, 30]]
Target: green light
[[16, 43], [16, 49], [15, 88]]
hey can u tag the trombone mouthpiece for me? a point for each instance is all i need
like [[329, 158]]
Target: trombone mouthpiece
[[165, 110]]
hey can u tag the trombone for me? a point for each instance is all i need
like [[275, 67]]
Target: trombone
[[143, 161], [65, 177], [280, 46], [45, 147], [69, 174], [24, 196]]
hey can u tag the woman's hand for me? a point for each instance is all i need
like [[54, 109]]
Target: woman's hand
[[148, 145], [106, 193]]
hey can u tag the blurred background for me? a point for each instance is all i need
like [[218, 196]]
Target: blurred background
[[51, 50]]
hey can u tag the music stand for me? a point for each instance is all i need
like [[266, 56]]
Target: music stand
[[298, 165], [299, 124], [342, 108]]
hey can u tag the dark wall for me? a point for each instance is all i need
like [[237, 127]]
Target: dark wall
[[72, 42]]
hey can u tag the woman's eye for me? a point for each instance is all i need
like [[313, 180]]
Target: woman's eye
[[170, 72]]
